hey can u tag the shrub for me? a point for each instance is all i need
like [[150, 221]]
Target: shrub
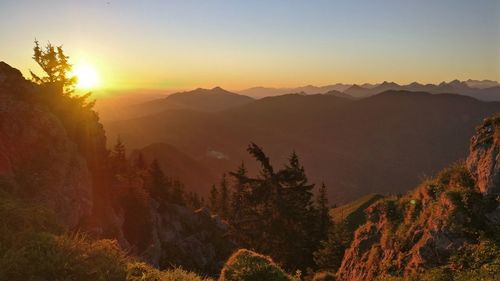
[[19, 219], [324, 276], [250, 266], [138, 271], [44, 256]]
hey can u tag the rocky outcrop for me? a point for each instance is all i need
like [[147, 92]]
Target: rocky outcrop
[[53, 152], [194, 239], [36, 155], [484, 158], [422, 230]]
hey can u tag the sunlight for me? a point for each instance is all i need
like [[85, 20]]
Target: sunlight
[[88, 77]]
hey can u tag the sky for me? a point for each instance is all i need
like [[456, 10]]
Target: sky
[[277, 43]]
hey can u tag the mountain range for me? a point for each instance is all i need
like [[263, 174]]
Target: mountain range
[[384, 143], [481, 89]]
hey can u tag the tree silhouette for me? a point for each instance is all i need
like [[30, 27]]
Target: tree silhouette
[[56, 66], [214, 199], [324, 219], [224, 198], [158, 185]]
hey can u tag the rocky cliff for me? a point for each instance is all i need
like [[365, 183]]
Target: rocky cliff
[[36, 155], [409, 234], [58, 158]]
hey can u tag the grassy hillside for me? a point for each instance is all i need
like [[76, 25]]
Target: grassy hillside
[[353, 212]]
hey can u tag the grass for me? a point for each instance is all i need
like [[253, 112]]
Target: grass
[[353, 212]]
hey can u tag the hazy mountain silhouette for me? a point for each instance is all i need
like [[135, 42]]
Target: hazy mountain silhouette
[[260, 92], [480, 92], [208, 100], [384, 143], [178, 165], [339, 94], [481, 84]]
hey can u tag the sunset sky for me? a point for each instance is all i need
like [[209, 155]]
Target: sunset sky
[[239, 44]]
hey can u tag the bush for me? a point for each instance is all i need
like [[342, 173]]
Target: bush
[[138, 271], [19, 219], [324, 276], [250, 266], [44, 256]]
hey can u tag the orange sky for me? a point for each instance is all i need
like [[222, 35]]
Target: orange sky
[[241, 44]]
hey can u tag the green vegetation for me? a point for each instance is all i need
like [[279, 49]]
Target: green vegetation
[[329, 255], [33, 246], [138, 271], [274, 213], [250, 266]]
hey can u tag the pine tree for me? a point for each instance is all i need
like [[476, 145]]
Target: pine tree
[[177, 196], [238, 194], [279, 217], [139, 162], [224, 201], [193, 200], [119, 165], [324, 219], [54, 63], [119, 150], [330, 255], [214, 199], [158, 184], [297, 215]]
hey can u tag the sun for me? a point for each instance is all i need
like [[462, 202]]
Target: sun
[[87, 76]]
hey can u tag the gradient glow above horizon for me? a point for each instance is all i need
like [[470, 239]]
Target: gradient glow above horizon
[[239, 44]]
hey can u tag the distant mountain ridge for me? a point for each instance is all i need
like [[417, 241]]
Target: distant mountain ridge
[[486, 90], [205, 100], [260, 92]]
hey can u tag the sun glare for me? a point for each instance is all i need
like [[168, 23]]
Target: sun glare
[[87, 76]]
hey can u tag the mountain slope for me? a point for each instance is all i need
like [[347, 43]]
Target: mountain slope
[[353, 213], [178, 165], [207, 100], [438, 224], [338, 139]]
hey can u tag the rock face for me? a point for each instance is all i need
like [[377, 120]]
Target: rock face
[[484, 159], [405, 235], [64, 167], [194, 239], [36, 155]]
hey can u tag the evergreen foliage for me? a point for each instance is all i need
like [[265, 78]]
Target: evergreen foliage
[[224, 201], [274, 212], [329, 256], [214, 199]]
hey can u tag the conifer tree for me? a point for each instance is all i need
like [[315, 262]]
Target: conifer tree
[[238, 195], [177, 196], [330, 255], [224, 201], [139, 162], [297, 215], [158, 185], [214, 199], [54, 63], [193, 200], [324, 219], [279, 216], [119, 150]]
